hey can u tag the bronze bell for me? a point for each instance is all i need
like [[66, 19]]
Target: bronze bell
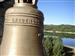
[[23, 30]]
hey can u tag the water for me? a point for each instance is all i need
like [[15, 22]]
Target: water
[[69, 42]]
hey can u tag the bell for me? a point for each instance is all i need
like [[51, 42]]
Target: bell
[[23, 30]]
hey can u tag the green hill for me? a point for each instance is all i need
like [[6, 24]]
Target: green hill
[[63, 28]]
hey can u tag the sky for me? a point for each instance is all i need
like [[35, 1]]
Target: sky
[[58, 11]]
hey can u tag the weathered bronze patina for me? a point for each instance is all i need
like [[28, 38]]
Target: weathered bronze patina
[[23, 30]]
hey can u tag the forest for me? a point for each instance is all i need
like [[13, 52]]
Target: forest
[[62, 28]]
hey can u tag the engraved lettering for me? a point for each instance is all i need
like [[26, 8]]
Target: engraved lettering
[[23, 21]]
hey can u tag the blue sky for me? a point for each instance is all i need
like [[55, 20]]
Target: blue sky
[[58, 11]]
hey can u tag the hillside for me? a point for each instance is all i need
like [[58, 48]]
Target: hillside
[[63, 28], [60, 28]]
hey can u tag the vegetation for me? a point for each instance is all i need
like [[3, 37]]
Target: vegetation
[[63, 28], [52, 40], [62, 35], [53, 46]]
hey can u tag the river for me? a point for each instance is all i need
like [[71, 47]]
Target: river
[[69, 42]]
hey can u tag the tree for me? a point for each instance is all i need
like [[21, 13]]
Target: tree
[[53, 46], [48, 46], [57, 46]]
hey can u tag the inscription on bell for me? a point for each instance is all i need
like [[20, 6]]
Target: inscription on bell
[[22, 20]]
